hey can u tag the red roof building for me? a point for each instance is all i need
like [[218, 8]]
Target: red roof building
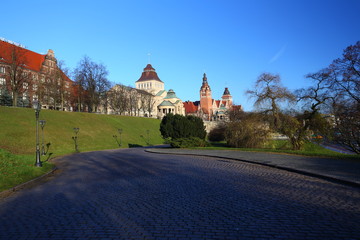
[[26, 75], [191, 108], [208, 108]]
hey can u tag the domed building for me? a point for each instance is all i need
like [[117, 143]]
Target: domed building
[[163, 102], [171, 104], [149, 81]]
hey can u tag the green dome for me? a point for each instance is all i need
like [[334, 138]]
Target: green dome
[[170, 94], [166, 104]]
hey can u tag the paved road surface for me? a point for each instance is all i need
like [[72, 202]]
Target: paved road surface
[[131, 194]]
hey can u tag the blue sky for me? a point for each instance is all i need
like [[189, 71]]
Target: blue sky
[[232, 41]]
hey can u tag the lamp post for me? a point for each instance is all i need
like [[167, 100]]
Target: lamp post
[[76, 131], [42, 125], [120, 132], [37, 108], [148, 139]]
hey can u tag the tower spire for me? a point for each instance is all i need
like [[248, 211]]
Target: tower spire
[[205, 82]]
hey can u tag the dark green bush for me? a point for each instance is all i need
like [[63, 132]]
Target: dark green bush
[[178, 126], [217, 134], [188, 142]]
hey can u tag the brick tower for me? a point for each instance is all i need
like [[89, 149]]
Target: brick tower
[[205, 98], [227, 98]]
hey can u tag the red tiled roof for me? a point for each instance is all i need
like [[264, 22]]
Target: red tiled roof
[[149, 74], [32, 60], [190, 107], [217, 102], [236, 108]]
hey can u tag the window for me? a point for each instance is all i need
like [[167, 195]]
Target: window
[[2, 81], [35, 87], [26, 85], [2, 69]]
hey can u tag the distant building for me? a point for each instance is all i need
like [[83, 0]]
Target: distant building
[[208, 108], [164, 101], [26, 75]]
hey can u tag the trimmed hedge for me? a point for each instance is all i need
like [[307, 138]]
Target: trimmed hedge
[[188, 142]]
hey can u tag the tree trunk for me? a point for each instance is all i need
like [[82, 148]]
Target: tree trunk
[[62, 102], [15, 99]]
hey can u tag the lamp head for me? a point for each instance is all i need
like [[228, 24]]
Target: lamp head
[[36, 105], [42, 123], [76, 130]]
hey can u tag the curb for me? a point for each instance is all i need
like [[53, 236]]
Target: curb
[[311, 174], [13, 190]]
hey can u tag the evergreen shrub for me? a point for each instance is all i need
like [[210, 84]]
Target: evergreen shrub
[[188, 142], [178, 126]]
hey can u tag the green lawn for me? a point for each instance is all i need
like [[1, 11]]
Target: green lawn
[[16, 169], [283, 146], [17, 138]]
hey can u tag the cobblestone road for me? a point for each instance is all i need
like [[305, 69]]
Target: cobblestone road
[[130, 194]]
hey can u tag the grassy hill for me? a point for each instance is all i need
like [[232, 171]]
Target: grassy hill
[[17, 138], [17, 130]]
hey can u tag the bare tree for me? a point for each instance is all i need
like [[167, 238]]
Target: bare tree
[[344, 74], [269, 94], [337, 90], [149, 103], [51, 91], [347, 126], [319, 94], [142, 101], [247, 130], [19, 78], [92, 78], [133, 101], [344, 79], [64, 84], [119, 98]]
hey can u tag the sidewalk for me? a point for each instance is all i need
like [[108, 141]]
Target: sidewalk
[[339, 170]]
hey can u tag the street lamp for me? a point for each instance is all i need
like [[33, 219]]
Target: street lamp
[[76, 131], [120, 132], [115, 136], [37, 108], [148, 139], [42, 125]]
